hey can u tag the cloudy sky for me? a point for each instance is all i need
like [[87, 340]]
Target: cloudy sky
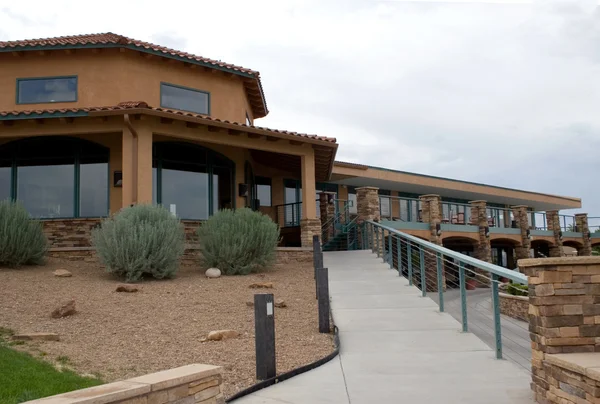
[[505, 92]]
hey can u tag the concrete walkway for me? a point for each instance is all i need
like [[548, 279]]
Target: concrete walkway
[[397, 347]]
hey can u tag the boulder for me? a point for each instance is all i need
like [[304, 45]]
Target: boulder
[[280, 303], [213, 273], [36, 336], [127, 288], [220, 335], [62, 273], [261, 285], [67, 309]]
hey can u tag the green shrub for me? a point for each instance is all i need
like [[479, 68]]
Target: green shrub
[[518, 289], [140, 240], [238, 242], [22, 240]]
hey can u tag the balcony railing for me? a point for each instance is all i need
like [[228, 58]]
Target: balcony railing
[[289, 214], [456, 213], [398, 208]]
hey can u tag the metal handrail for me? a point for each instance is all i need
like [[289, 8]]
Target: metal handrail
[[410, 215], [494, 269]]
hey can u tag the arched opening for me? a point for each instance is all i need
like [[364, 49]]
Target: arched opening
[[503, 252], [571, 248], [193, 182], [540, 248], [56, 177], [462, 245]]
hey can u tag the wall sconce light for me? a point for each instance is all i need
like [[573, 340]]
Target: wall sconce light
[[330, 198], [589, 235], [118, 179], [528, 233], [438, 229], [242, 189], [487, 231], [576, 229], [560, 235]]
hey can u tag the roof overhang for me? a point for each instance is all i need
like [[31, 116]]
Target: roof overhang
[[361, 175]]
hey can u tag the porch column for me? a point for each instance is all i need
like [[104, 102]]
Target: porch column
[[137, 166], [479, 218], [327, 211], [554, 226], [520, 214], [309, 224], [581, 220], [367, 208], [432, 213]]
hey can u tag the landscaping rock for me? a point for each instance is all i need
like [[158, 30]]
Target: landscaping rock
[[36, 336], [280, 303], [261, 285], [213, 273], [250, 304], [221, 335], [127, 288], [62, 273], [67, 309]]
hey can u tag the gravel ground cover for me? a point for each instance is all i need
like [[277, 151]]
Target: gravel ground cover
[[115, 336]]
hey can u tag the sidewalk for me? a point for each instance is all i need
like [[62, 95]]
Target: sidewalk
[[396, 347]]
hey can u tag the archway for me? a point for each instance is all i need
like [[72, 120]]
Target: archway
[[572, 247], [540, 248], [193, 182], [462, 245], [503, 252], [56, 176]]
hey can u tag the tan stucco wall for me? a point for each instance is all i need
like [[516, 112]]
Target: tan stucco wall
[[112, 76]]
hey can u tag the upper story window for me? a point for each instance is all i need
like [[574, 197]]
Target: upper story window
[[46, 89], [184, 99]]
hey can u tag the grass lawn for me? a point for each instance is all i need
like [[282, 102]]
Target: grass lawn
[[23, 378]]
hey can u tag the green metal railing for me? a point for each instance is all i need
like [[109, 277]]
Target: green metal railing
[[456, 213], [399, 208], [440, 272], [500, 217], [594, 224]]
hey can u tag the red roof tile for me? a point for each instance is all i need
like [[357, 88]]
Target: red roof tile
[[118, 40], [137, 105]]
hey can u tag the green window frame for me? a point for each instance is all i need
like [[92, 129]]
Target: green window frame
[[22, 80], [16, 156], [265, 181], [189, 89]]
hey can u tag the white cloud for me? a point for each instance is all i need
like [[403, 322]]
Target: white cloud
[[505, 94]]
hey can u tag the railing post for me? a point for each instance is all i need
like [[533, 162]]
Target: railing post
[[391, 255], [496, 309], [409, 259], [440, 280], [376, 240], [399, 254], [463, 296], [423, 279]]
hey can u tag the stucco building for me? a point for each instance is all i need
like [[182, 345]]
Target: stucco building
[[93, 123]]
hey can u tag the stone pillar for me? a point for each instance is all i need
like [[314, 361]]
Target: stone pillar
[[367, 207], [553, 221], [564, 313], [520, 214], [327, 211], [431, 206], [479, 218], [581, 220], [309, 228]]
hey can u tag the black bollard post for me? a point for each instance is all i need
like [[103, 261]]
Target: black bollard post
[[264, 335], [323, 294]]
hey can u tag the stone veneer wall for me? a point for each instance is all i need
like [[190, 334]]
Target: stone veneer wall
[[572, 378], [564, 318], [308, 228], [191, 384], [553, 221], [514, 306]]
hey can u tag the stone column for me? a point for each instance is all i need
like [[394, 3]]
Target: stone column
[[581, 220], [553, 221], [309, 228], [327, 211], [432, 214], [564, 313], [367, 207], [520, 214], [479, 218]]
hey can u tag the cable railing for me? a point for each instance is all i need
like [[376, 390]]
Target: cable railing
[[501, 217], [463, 286], [288, 214], [400, 208], [594, 224], [456, 213]]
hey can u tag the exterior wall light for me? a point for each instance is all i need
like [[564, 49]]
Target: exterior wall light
[[438, 229], [487, 231], [528, 233], [560, 235]]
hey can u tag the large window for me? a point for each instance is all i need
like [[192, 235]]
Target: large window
[[263, 190], [184, 99], [352, 202], [191, 181], [56, 177], [46, 89]]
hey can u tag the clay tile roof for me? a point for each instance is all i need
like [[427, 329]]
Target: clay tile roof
[[141, 105], [253, 87], [350, 165]]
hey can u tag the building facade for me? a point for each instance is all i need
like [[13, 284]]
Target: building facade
[[91, 124]]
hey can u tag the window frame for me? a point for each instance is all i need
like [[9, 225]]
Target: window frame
[[260, 180], [208, 97], [21, 79]]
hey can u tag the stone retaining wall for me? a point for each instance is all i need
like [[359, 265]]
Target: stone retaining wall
[[191, 384], [572, 378], [514, 306]]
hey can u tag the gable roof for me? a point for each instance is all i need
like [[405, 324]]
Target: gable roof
[[251, 78]]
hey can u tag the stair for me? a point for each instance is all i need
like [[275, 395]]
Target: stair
[[338, 243]]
